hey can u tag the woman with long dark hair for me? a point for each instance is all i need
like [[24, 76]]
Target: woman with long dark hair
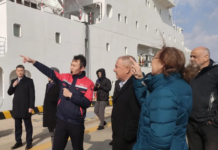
[[166, 102]]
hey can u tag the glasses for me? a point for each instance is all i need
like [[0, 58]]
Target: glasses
[[152, 58]]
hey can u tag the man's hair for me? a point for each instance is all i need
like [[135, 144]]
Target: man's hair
[[126, 60], [20, 66], [207, 51], [82, 60]]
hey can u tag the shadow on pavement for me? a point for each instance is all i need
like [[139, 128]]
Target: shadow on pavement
[[41, 136], [6, 132], [95, 145]]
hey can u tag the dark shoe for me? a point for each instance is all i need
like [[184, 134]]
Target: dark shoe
[[17, 145], [29, 146], [105, 123], [111, 143], [100, 127]]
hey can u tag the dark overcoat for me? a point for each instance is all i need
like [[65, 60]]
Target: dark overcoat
[[50, 106], [24, 97], [125, 117]]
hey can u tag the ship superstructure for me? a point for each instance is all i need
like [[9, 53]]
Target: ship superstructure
[[53, 31]]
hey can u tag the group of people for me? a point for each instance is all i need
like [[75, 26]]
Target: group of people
[[154, 111]]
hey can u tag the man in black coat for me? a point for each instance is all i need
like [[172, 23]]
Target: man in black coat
[[126, 109], [202, 129], [103, 87], [50, 105], [23, 104], [116, 90]]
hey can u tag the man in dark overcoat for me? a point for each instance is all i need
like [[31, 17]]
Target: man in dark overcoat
[[126, 109], [23, 104], [116, 90]]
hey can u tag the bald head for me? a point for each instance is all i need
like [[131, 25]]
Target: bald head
[[200, 56], [202, 51]]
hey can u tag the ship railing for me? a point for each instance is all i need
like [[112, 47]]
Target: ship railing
[[2, 46]]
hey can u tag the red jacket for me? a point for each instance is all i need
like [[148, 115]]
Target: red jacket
[[72, 109]]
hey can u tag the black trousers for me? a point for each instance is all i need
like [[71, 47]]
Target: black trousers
[[18, 130], [63, 131], [202, 138]]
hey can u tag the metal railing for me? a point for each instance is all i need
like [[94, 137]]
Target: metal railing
[[2, 46]]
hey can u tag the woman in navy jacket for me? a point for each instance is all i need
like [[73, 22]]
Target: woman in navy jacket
[[166, 102]]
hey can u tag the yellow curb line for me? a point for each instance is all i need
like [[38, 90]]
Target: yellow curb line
[[7, 114]]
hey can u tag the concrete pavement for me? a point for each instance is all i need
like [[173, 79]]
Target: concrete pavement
[[93, 139]]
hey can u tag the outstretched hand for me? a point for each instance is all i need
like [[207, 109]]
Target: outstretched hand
[[136, 70], [27, 59]]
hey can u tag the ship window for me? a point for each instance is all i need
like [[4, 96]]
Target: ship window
[[174, 39], [169, 37], [163, 34], [155, 9], [19, 1], [182, 42], [126, 50], [137, 24], [109, 11], [17, 30], [33, 6], [27, 3], [108, 47], [146, 27], [119, 17], [58, 37], [126, 20]]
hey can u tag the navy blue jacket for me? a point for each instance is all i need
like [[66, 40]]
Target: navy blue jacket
[[72, 109]]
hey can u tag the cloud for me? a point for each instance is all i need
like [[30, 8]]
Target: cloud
[[197, 4], [192, 3], [214, 14], [200, 37]]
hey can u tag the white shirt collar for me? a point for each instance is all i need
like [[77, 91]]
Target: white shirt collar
[[122, 83], [19, 78]]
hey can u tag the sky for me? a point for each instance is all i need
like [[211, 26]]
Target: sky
[[199, 19]]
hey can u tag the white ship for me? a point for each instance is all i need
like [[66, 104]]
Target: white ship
[[53, 31]]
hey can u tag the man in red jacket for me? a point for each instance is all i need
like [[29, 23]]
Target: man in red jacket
[[75, 97]]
